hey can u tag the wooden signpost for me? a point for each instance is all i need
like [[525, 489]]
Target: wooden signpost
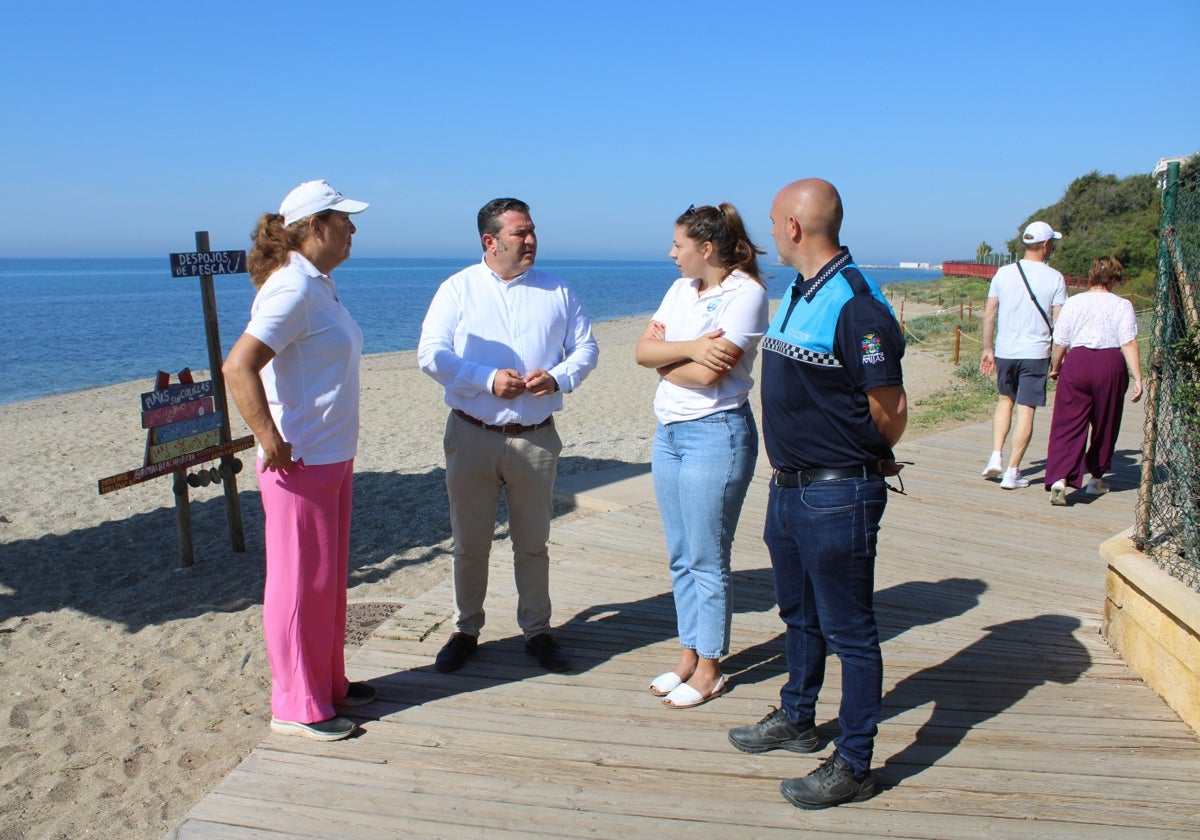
[[187, 423]]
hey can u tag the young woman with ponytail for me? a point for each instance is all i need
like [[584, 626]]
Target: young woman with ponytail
[[702, 342]]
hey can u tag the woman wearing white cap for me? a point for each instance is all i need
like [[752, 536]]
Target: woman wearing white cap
[[293, 375]]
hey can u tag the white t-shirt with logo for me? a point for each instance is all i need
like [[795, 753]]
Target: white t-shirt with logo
[[739, 307]]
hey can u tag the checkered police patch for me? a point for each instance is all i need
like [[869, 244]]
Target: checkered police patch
[[800, 354]]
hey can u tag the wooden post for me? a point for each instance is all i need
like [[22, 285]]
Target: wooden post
[[1162, 290], [957, 342], [183, 518], [1181, 279], [969, 304], [960, 310], [233, 510]]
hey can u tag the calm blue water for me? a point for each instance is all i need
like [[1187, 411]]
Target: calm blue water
[[82, 323]]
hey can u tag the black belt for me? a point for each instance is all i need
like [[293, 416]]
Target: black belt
[[507, 428], [803, 478]]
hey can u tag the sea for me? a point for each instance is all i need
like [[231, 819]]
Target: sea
[[73, 324]]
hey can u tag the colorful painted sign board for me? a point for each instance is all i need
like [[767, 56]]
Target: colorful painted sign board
[[159, 452], [176, 394], [174, 413], [183, 428]]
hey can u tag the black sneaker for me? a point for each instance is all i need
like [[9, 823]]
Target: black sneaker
[[775, 732], [455, 653], [833, 783], [546, 651], [359, 694]]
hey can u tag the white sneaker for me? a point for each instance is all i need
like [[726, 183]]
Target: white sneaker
[[1012, 480], [1096, 487], [1058, 493], [994, 469]]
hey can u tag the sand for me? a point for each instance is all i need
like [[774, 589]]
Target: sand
[[132, 685]]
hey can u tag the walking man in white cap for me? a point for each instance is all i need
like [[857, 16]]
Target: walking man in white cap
[[1027, 296]]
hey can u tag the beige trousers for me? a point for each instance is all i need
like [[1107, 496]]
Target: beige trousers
[[479, 463]]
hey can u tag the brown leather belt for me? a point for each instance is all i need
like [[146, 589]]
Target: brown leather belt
[[803, 478], [507, 428]]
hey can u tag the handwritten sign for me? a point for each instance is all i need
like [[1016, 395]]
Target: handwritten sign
[[173, 413], [185, 428], [176, 394], [177, 447], [198, 263]]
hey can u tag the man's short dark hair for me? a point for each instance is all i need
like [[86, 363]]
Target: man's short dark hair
[[490, 213]]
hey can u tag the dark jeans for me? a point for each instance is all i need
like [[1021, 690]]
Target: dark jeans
[[822, 544]]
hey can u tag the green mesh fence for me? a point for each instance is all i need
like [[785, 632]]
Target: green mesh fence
[[1169, 495]]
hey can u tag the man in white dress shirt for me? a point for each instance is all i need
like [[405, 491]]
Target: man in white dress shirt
[[506, 341]]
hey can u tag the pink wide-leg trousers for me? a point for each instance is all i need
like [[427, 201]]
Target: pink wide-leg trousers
[[304, 606]]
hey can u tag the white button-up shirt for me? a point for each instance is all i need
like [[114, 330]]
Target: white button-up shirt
[[478, 324]]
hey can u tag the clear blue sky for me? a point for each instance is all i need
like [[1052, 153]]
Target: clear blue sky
[[130, 125]]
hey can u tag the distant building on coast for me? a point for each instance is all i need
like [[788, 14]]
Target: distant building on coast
[[914, 264], [1160, 170]]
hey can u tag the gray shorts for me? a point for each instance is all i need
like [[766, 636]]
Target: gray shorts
[[1023, 380]]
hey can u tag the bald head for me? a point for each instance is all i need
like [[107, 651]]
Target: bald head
[[816, 205], [806, 223]]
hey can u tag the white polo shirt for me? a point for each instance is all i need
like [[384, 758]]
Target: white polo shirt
[[739, 307], [312, 382]]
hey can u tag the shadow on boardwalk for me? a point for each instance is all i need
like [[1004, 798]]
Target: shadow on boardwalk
[[1006, 714], [978, 683]]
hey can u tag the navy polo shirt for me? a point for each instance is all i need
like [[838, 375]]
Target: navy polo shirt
[[833, 339]]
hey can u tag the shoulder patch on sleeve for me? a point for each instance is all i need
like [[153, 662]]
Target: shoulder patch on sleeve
[[872, 348]]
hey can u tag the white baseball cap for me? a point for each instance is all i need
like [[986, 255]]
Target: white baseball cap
[[313, 197], [1039, 232]]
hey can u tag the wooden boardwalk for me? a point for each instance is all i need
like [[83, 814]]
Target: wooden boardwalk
[[1006, 715]]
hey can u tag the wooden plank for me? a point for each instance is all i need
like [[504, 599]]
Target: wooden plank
[[176, 394], [185, 427], [127, 479], [1005, 713], [159, 452], [179, 411]]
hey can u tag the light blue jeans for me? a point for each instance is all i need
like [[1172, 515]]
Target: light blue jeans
[[702, 469]]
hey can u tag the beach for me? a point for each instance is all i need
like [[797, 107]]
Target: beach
[[134, 684]]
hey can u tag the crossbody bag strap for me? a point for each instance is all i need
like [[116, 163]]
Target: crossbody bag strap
[[1033, 298]]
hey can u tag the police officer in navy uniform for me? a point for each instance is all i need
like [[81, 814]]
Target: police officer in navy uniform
[[833, 407]]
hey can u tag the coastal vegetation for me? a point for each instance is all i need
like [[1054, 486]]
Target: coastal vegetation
[[1104, 214]]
